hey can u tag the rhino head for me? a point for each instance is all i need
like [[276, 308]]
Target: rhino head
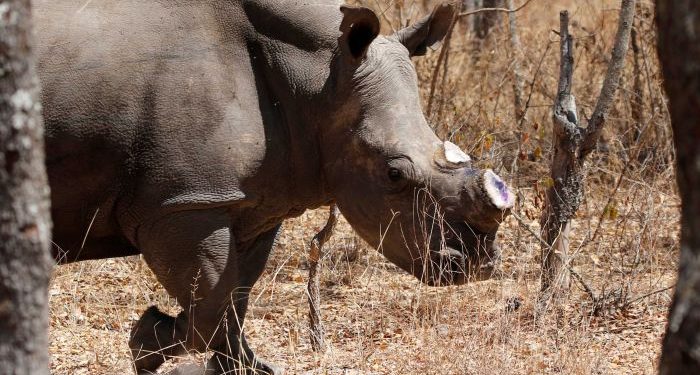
[[438, 215]]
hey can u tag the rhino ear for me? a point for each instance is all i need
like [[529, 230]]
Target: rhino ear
[[428, 31], [360, 26]]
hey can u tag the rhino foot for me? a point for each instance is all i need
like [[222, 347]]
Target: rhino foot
[[194, 369], [152, 341], [220, 364], [187, 369]]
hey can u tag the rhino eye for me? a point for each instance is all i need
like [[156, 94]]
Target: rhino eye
[[394, 174]]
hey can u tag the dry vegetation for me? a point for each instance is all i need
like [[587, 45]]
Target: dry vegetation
[[380, 320]]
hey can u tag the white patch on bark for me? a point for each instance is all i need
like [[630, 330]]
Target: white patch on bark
[[498, 191], [22, 99], [454, 154], [569, 105], [8, 17], [22, 102]]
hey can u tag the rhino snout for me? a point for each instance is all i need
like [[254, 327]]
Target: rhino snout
[[457, 262], [468, 251]]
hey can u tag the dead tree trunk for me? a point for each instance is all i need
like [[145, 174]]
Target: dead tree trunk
[[25, 228], [572, 143], [318, 337], [679, 53]]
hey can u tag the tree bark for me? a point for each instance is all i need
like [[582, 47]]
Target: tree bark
[[679, 53], [566, 192], [25, 227], [572, 143]]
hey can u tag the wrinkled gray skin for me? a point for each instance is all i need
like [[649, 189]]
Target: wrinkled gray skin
[[188, 131]]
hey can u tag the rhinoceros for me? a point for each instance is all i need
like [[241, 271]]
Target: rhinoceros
[[188, 131]]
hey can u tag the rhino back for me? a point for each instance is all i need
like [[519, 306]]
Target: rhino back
[[149, 106]]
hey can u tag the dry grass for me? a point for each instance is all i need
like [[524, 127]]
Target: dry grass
[[380, 320]]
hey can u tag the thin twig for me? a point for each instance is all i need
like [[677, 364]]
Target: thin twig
[[611, 196], [436, 71], [568, 266], [529, 229], [528, 106], [87, 232], [630, 302], [505, 10], [383, 14]]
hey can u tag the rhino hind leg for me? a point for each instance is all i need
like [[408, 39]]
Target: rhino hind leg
[[195, 258]]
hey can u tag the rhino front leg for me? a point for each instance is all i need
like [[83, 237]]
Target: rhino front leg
[[235, 356], [193, 254]]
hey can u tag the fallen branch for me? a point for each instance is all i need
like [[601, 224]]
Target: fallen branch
[[318, 341]]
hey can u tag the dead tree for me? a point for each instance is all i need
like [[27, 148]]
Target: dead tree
[[318, 340], [679, 53], [25, 228], [572, 143]]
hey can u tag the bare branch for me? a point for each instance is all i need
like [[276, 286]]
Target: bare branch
[[443, 51], [612, 78], [630, 302], [517, 75], [589, 291], [318, 341], [529, 229], [506, 10], [325, 234]]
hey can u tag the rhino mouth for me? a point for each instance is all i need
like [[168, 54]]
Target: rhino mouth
[[456, 261]]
